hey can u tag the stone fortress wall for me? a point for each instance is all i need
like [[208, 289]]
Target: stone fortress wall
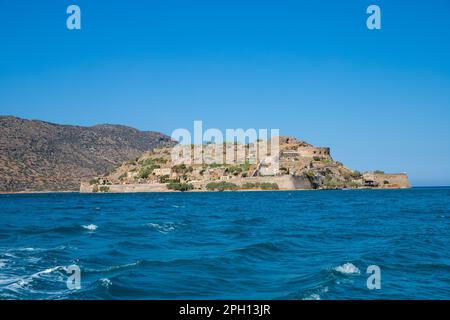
[[286, 182], [307, 152], [314, 152], [384, 180]]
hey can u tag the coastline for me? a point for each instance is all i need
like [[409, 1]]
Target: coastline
[[36, 192], [212, 191]]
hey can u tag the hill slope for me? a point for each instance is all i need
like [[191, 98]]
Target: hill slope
[[37, 155]]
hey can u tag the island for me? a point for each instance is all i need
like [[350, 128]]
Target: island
[[300, 166]]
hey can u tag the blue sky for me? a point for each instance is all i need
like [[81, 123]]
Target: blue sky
[[380, 99]]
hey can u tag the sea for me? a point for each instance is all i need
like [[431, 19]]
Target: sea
[[294, 245]]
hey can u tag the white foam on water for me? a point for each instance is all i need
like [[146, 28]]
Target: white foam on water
[[347, 268], [27, 249], [9, 255], [2, 263], [164, 228], [115, 268], [24, 282], [314, 296], [105, 282], [90, 227], [50, 270]]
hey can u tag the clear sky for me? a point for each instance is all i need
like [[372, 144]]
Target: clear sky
[[380, 99]]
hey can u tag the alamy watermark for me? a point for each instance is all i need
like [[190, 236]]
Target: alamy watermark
[[73, 21], [236, 146], [374, 280], [74, 279], [373, 22]]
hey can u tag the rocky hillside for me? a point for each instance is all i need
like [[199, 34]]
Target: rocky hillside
[[39, 156]]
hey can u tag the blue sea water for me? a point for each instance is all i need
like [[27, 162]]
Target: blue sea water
[[229, 245]]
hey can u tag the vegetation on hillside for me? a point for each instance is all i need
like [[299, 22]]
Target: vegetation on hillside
[[221, 186]]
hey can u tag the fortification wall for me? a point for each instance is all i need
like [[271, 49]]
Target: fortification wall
[[314, 152], [121, 188], [286, 182], [394, 180]]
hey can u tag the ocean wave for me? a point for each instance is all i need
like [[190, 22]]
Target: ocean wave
[[163, 228], [90, 227], [115, 268], [313, 296], [20, 251], [105, 282], [260, 250], [318, 294], [347, 268], [311, 286], [24, 283]]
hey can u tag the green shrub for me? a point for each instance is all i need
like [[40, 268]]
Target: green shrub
[[221, 186], [164, 178], [182, 169], [347, 176], [269, 186], [160, 160], [353, 184], [330, 183], [146, 162], [234, 170], [316, 158], [152, 161], [356, 174], [326, 161], [378, 172], [145, 172], [245, 166], [180, 186], [310, 174], [103, 189], [250, 185], [93, 181], [179, 167]]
